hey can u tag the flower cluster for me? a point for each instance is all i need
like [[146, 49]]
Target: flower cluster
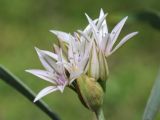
[[82, 54]]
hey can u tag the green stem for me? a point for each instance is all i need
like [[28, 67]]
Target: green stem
[[100, 115]]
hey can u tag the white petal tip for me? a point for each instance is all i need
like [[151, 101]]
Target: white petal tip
[[35, 100], [133, 34], [53, 31], [61, 88], [87, 16], [27, 71], [37, 49], [102, 10], [79, 31], [136, 33], [61, 91], [126, 18], [30, 71]]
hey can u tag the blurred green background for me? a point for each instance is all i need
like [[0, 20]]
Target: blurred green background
[[133, 68]]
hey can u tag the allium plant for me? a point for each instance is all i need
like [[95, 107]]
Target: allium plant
[[79, 62]]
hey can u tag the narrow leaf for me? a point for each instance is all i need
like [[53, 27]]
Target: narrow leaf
[[153, 104]]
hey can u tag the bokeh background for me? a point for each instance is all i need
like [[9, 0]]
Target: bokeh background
[[25, 24]]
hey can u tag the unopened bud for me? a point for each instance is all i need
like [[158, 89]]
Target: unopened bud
[[103, 67], [98, 67], [93, 70], [91, 92]]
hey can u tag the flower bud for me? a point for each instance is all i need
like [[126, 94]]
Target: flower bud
[[98, 68], [90, 92], [103, 67], [93, 70]]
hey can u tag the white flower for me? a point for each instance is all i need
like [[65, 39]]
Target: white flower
[[97, 30], [78, 52], [54, 73], [103, 44], [85, 52]]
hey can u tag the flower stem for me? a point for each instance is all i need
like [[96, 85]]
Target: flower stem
[[100, 115]]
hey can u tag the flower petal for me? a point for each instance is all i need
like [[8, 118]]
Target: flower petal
[[88, 30], [127, 37], [51, 54], [45, 92], [103, 66], [101, 20], [61, 87], [104, 24], [83, 34], [60, 65], [46, 60], [100, 27], [61, 35], [104, 42], [116, 31], [94, 30], [56, 48], [43, 75], [93, 69]]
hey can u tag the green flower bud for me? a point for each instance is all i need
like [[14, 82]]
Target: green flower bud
[[90, 92]]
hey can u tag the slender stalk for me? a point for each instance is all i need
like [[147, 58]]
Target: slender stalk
[[17, 84], [153, 104], [100, 115]]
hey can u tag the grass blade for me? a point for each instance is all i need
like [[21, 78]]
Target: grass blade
[[153, 104], [17, 84]]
